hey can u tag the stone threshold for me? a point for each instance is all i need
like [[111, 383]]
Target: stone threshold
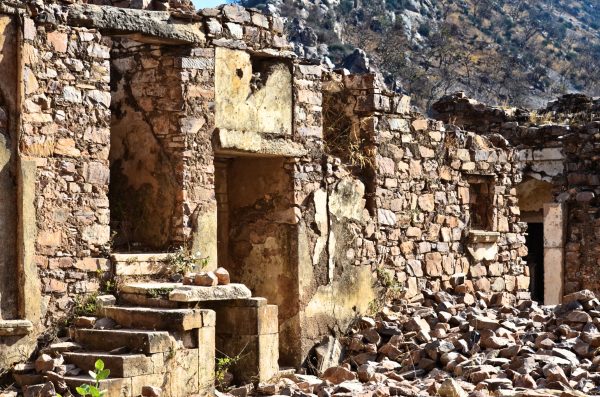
[[15, 327]]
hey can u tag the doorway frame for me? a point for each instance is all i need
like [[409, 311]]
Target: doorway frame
[[555, 232]]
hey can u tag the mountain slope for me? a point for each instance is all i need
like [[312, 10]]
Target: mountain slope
[[498, 51]]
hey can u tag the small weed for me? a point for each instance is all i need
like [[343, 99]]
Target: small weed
[[393, 288], [99, 373], [86, 306], [159, 292], [183, 261], [223, 365]]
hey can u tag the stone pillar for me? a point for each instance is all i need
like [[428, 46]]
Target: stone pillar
[[249, 328], [554, 241]]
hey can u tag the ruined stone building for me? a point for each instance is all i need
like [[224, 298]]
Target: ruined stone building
[[127, 133]]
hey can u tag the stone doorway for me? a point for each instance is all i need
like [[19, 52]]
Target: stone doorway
[[257, 236], [535, 259], [145, 171], [545, 240]]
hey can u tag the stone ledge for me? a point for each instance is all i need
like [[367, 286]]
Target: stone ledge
[[254, 143], [178, 292], [148, 26], [15, 327], [192, 293], [482, 236]]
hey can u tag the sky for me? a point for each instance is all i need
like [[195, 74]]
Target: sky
[[207, 3]]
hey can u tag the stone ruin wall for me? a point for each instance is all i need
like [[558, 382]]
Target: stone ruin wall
[[401, 221], [66, 133], [558, 152], [402, 218]]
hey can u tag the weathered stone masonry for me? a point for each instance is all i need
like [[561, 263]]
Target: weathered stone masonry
[[140, 131], [558, 152]]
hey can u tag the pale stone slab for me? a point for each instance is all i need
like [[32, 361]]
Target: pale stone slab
[[554, 228], [15, 327], [146, 342], [553, 275], [157, 319], [121, 365], [236, 141], [141, 264], [548, 154], [192, 293], [148, 288]]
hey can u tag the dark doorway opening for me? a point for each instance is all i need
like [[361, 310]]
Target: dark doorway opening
[[535, 259]]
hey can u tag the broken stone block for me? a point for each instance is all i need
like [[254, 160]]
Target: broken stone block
[[206, 279], [84, 322], [329, 354], [451, 388], [44, 363], [41, 390]]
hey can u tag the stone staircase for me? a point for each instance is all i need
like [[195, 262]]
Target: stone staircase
[[173, 349], [166, 334]]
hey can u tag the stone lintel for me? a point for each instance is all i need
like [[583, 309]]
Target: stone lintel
[[15, 327], [158, 27], [253, 143]]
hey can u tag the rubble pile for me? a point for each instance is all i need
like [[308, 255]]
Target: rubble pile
[[476, 344]]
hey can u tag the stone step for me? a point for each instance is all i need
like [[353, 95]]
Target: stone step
[[117, 387], [160, 319], [120, 365], [137, 341]]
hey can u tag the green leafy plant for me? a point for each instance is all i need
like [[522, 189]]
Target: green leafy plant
[[223, 365], [99, 373], [182, 261], [159, 292], [86, 306]]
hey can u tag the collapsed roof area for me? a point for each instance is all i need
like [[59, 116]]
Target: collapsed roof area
[[144, 148]]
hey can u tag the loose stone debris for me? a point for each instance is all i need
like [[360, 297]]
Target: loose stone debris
[[444, 346]]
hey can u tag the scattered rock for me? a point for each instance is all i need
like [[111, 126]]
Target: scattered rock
[[222, 276], [206, 279], [337, 375]]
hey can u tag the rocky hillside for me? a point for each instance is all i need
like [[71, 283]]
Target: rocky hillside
[[498, 51]]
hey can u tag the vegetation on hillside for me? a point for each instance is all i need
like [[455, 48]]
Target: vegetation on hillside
[[498, 51]]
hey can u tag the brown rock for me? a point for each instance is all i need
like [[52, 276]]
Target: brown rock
[[365, 372], [222, 276], [554, 373], [578, 316], [84, 322], [581, 296], [206, 279], [151, 391], [337, 375], [526, 381], [44, 363]]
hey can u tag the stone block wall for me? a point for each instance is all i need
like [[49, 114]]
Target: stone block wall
[[419, 175], [559, 146], [425, 209], [65, 131]]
